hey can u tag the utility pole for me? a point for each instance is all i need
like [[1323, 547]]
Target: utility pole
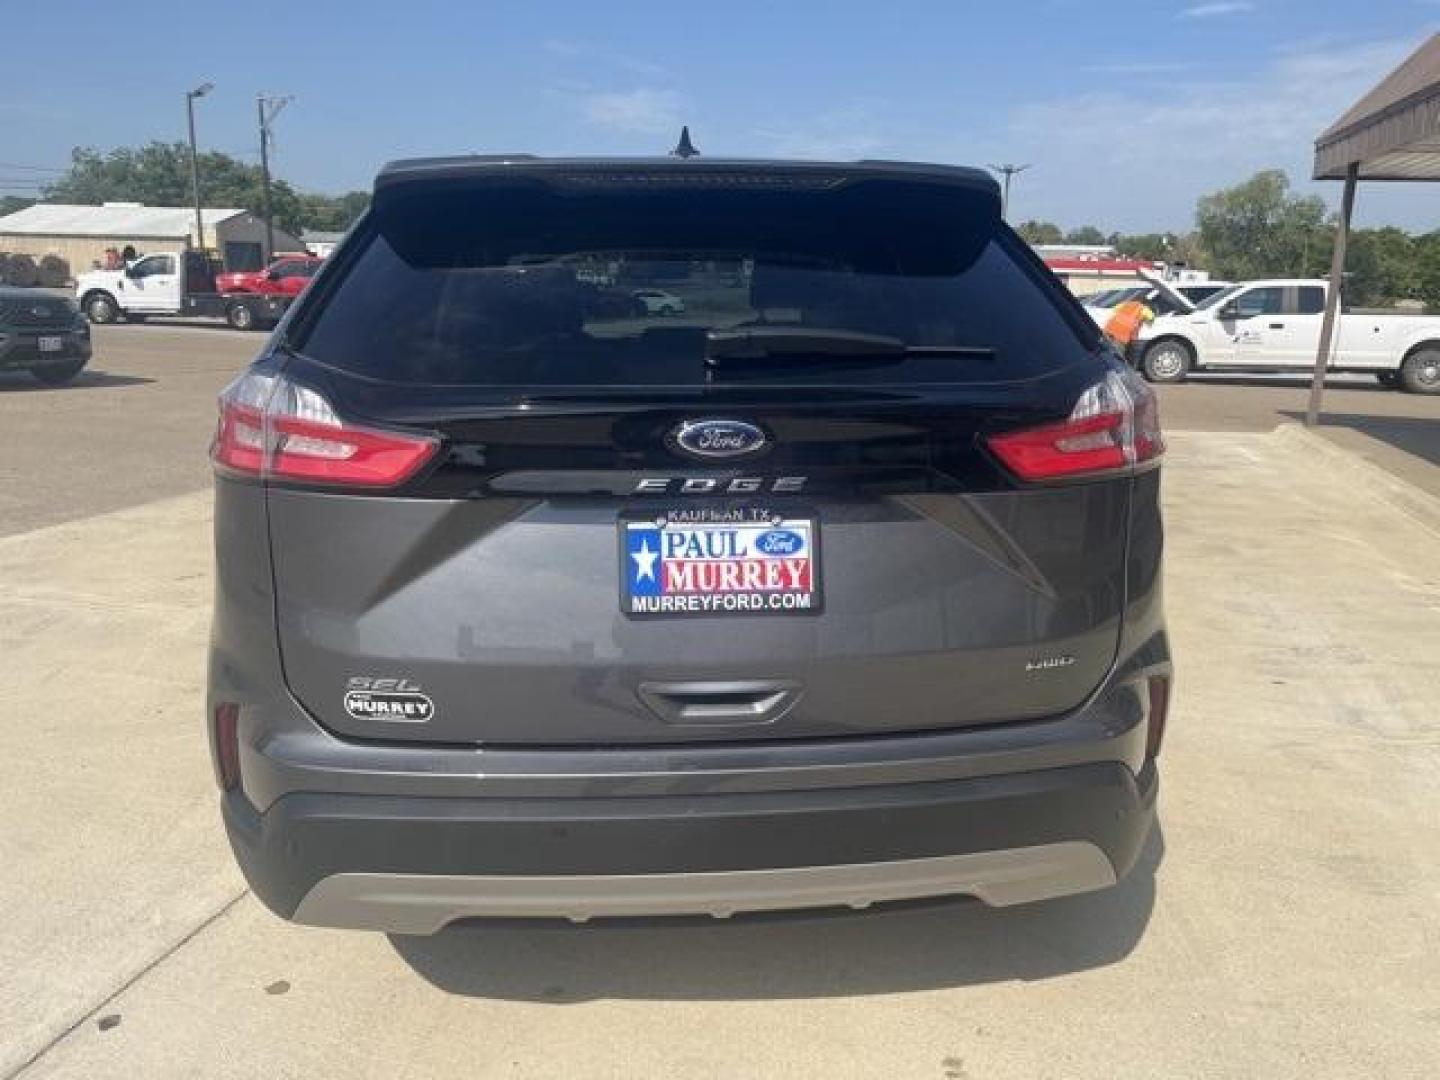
[[190, 96], [268, 107], [1007, 171], [1330, 324]]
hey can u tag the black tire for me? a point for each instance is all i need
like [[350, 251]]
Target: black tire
[[59, 374], [101, 308], [240, 317], [1390, 379], [1420, 373], [1168, 360]]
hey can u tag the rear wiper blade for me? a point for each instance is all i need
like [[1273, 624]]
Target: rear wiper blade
[[820, 343]]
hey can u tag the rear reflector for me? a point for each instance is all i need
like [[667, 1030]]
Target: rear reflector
[[273, 429], [227, 745], [1114, 427], [1159, 713]]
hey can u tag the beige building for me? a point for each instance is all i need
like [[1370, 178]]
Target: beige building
[[80, 234], [321, 243]]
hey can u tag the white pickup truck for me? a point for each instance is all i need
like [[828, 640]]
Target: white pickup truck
[[1275, 326], [171, 283]]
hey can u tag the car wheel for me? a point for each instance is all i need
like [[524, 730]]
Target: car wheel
[[240, 316], [1420, 373], [1167, 362], [59, 374], [101, 308]]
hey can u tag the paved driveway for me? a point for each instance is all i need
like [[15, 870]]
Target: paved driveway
[[133, 427], [1283, 922], [1399, 432]]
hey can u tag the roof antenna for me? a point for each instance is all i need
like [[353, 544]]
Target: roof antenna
[[685, 148]]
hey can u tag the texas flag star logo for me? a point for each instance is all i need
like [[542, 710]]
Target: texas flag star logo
[[645, 561]]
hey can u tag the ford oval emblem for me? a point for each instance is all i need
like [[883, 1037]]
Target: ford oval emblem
[[717, 438], [780, 542]]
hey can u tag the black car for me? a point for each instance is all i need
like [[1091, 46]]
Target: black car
[[842, 588], [43, 334]]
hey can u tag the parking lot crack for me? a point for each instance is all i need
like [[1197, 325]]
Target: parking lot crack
[[146, 969]]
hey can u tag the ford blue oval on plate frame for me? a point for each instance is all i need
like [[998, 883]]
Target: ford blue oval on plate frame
[[694, 561]]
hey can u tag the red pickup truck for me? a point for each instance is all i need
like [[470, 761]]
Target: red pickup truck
[[286, 276]]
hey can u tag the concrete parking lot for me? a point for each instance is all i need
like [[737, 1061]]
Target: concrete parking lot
[[1284, 921], [132, 427]]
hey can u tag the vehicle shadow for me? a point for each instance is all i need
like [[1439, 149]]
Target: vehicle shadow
[[183, 323], [1415, 435], [16, 381], [765, 957], [1275, 381]]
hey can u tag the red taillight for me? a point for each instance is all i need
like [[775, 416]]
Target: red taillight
[[1159, 712], [240, 439], [1075, 446], [227, 745], [1114, 427], [274, 429], [353, 456]]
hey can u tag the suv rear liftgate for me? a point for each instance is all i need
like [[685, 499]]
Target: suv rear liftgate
[[865, 474]]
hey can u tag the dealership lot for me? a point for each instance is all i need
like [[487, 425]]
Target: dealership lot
[[1284, 924]]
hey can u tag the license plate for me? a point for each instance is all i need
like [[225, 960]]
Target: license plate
[[51, 344], [719, 562]]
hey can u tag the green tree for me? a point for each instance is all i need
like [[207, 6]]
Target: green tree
[[1383, 266], [11, 203], [1260, 229], [1427, 269], [158, 174], [1040, 232], [1176, 249], [1086, 234], [332, 214], [1156, 247]]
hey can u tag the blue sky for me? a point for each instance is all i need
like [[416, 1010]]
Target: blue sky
[[1128, 112]]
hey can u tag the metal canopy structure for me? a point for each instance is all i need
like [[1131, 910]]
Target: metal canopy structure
[[1392, 133]]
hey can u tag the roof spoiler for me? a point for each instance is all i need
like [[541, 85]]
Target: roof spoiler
[[591, 174]]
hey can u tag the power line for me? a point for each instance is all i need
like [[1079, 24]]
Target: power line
[[31, 168]]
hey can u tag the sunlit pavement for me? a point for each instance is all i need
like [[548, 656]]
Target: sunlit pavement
[[1282, 924]]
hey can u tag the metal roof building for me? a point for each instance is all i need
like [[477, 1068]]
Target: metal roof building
[[80, 234], [111, 219], [1392, 133]]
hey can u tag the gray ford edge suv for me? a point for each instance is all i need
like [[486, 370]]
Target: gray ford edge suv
[[838, 584]]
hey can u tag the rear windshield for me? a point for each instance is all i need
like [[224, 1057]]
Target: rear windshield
[[530, 287]]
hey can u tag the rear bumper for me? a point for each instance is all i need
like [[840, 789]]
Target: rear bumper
[[20, 350], [413, 864]]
